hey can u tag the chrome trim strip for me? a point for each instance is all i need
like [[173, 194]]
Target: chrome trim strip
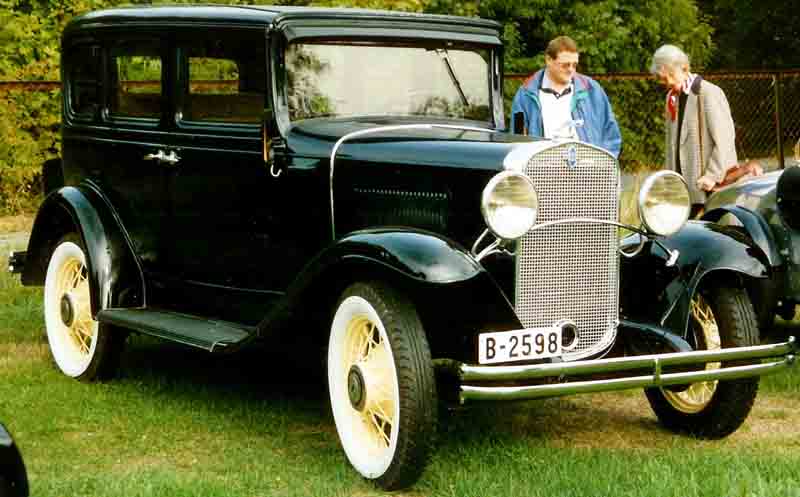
[[380, 129], [589, 220], [501, 373], [655, 380]]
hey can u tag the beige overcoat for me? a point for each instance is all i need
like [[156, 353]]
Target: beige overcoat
[[719, 139]]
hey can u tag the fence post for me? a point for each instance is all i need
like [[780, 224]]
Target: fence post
[[777, 81]]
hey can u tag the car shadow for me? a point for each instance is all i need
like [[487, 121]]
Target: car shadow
[[781, 330], [293, 379]]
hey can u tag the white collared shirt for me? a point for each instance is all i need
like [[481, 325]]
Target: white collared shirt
[[556, 111]]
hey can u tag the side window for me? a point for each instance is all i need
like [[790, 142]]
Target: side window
[[84, 76], [136, 73], [225, 79]]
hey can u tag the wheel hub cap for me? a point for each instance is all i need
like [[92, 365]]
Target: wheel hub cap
[[67, 310], [356, 388]]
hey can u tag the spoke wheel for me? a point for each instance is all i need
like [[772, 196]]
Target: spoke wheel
[[706, 331], [80, 347], [381, 385], [719, 317]]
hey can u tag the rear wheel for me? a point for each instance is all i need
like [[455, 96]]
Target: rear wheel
[[720, 318], [381, 385], [81, 347]]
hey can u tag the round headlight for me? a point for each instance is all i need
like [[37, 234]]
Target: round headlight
[[664, 203], [509, 205]]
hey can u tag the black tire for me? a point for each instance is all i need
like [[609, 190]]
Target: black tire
[[730, 401], [384, 396], [81, 347]]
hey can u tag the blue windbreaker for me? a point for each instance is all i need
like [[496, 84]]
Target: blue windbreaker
[[590, 106]]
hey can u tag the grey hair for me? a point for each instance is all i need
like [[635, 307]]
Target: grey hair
[[669, 56]]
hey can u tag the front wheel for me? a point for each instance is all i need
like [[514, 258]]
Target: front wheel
[[81, 347], [381, 384], [722, 317]]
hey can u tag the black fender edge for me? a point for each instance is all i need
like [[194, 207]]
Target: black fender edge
[[115, 274], [755, 225]]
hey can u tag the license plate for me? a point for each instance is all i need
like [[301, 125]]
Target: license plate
[[519, 345]]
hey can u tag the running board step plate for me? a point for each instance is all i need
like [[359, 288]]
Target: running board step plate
[[210, 335]]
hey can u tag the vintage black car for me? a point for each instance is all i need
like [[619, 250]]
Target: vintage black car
[[240, 175], [767, 209]]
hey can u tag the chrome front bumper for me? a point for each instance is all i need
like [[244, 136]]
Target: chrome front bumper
[[568, 373]]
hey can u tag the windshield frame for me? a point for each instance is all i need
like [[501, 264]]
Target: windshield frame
[[495, 119]]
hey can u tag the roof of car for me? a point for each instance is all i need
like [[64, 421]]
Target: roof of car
[[258, 15]]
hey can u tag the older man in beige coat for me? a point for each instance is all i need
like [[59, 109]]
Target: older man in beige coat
[[700, 135]]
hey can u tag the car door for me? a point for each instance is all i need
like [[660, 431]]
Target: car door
[[223, 200], [114, 124]]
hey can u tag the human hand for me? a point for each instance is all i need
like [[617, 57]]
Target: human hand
[[706, 183]]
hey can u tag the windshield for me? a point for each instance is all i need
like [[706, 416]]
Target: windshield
[[340, 79]]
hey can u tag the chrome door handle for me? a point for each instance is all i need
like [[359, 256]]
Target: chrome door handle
[[170, 158], [159, 156]]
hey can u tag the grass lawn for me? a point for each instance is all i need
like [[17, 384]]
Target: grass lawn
[[180, 422]]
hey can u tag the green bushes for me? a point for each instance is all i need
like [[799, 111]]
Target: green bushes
[[639, 107], [28, 136]]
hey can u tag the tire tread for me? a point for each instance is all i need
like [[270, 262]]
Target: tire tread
[[417, 388]]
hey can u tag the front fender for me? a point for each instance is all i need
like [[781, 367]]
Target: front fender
[[706, 250], [755, 225], [416, 254], [454, 295], [114, 273]]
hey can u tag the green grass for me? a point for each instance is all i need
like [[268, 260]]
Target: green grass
[[180, 422]]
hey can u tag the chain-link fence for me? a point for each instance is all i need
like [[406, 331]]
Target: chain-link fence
[[765, 108]]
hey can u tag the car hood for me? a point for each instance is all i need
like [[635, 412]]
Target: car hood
[[429, 145]]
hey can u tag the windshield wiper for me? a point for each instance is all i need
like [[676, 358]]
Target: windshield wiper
[[443, 54]]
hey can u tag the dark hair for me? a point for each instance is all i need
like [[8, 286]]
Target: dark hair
[[560, 44]]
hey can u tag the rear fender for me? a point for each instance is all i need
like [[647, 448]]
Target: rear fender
[[115, 275]]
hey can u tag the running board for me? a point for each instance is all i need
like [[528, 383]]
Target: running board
[[210, 335]]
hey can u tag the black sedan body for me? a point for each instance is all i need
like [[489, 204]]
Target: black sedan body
[[344, 179]]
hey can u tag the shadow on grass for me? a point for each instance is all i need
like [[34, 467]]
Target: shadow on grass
[[292, 382]]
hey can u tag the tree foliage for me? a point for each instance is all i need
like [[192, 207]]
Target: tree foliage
[[613, 35], [755, 35]]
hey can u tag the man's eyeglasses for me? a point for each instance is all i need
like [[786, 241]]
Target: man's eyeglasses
[[567, 65]]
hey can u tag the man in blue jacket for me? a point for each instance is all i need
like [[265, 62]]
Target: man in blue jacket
[[558, 102]]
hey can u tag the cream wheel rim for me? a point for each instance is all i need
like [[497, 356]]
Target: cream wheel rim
[[695, 398], [363, 385], [71, 331]]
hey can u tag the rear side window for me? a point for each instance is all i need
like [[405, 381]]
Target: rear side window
[[84, 75], [224, 79], [136, 76]]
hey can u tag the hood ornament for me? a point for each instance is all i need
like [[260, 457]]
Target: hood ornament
[[571, 157]]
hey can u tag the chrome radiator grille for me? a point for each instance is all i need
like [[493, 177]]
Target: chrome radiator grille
[[571, 271]]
